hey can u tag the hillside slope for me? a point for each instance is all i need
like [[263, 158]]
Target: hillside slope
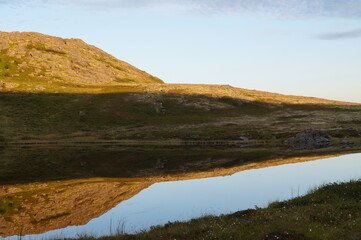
[[41, 58], [53, 88]]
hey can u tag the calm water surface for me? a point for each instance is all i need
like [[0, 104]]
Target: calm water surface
[[183, 200]]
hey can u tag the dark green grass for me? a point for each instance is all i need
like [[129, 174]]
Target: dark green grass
[[26, 116], [329, 213], [41, 47], [9, 205], [34, 115], [125, 80], [7, 65]]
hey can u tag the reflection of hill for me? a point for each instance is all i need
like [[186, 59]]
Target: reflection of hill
[[40, 207], [28, 165], [247, 166]]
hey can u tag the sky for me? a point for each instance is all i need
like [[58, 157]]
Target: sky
[[296, 47]]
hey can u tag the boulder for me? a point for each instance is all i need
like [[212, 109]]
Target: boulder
[[8, 85], [310, 139], [346, 142], [245, 139]]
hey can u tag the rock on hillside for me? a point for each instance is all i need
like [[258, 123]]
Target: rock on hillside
[[28, 56]]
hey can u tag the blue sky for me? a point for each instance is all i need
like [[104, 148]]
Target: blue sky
[[298, 47]]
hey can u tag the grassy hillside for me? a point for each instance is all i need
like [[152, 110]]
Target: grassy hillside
[[33, 59], [53, 88], [131, 113]]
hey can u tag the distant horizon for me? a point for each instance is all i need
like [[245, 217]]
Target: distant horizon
[[302, 48]]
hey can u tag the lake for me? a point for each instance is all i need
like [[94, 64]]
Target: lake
[[153, 202]]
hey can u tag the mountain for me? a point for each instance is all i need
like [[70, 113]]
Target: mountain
[[55, 89]]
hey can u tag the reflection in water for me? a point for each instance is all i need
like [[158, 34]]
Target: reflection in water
[[28, 165], [59, 204], [37, 208]]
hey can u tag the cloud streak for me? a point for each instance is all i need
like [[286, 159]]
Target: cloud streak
[[278, 8], [340, 35]]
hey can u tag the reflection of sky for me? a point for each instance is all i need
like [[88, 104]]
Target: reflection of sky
[[183, 200]]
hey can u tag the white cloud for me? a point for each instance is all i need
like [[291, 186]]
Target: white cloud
[[287, 8], [278, 8], [356, 33]]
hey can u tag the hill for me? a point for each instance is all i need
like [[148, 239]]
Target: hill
[[59, 89], [29, 58]]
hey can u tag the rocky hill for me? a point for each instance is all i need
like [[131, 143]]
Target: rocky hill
[[41, 58], [53, 88]]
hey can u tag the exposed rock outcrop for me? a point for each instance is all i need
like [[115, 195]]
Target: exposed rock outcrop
[[34, 55], [310, 139]]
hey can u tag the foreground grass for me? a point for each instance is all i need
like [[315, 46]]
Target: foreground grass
[[331, 212]]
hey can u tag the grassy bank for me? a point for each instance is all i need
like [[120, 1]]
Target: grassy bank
[[331, 212], [131, 113]]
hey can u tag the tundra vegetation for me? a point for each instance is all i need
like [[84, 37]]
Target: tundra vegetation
[[55, 89], [58, 93]]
